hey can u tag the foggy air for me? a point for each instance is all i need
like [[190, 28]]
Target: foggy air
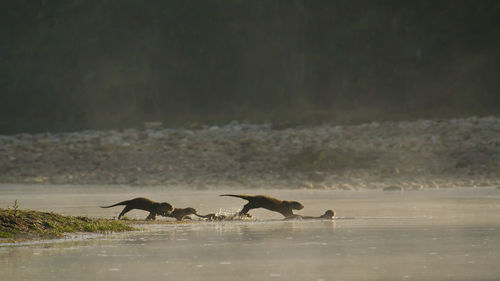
[[249, 140]]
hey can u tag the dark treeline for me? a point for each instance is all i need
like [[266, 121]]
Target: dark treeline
[[73, 64]]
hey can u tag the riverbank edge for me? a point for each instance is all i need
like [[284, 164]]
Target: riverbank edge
[[18, 225]]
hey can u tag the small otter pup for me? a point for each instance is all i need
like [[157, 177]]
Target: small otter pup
[[182, 213], [328, 215], [213, 217], [269, 203], [140, 203]]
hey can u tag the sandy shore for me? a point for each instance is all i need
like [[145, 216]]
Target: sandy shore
[[409, 155]]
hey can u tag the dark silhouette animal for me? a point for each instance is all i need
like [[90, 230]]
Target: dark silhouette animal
[[140, 203], [328, 215], [213, 217], [182, 213], [269, 203]]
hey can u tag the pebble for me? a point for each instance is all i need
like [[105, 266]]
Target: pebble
[[380, 155]]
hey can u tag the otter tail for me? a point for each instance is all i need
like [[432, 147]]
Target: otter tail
[[202, 216], [242, 196], [117, 204]]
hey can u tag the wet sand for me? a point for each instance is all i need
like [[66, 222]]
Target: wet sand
[[445, 234]]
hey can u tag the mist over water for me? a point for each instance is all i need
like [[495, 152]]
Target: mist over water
[[328, 103], [445, 234]]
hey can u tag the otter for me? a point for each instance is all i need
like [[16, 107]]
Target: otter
[[269, 203], [140, 203], [328, 215], [182, 213], [221, 217], [213, 217]]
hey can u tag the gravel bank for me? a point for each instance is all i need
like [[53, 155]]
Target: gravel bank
[[392, 155]]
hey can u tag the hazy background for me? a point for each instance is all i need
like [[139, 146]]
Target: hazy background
[[73, 64]]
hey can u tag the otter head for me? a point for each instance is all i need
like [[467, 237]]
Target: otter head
[[165, 209], [329, 214], [190, 211], [294, 205]]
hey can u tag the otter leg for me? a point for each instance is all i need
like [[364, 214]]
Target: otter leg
[[125, 210], [152, 216], [246, 208]]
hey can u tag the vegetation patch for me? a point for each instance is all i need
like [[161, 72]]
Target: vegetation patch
[[18, 224]]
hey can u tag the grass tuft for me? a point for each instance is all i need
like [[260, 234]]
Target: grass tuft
[[15, 223]]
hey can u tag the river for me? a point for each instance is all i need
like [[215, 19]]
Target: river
[[438, 234]]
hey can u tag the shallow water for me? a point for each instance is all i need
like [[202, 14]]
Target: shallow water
[[445, 234]]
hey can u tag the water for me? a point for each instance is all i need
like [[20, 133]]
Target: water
[[446, 234]]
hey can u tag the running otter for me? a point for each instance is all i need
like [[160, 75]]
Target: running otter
[[328, 215], [154, 208], [182, 213], [221, 217], [212, 217], [272, 204]]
